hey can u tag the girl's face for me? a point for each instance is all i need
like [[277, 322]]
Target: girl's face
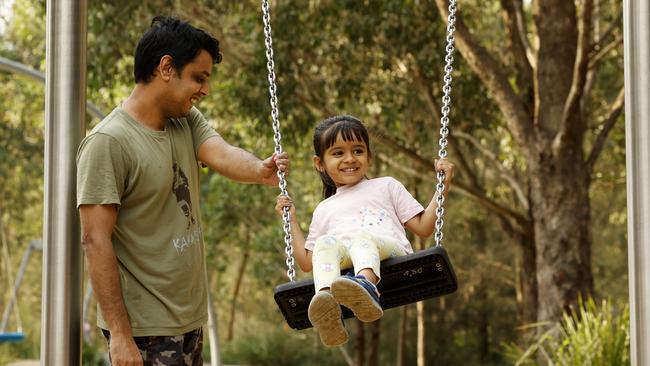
[[346, 162]]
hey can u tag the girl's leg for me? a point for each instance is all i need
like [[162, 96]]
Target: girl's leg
[[359, 293], [328, 257], [367, 250], [324, 311]]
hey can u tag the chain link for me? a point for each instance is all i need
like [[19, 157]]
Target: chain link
[[277, 138], [444, 119], [444, 129]]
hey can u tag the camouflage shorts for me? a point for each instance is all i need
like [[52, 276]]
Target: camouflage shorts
[[181, 350]]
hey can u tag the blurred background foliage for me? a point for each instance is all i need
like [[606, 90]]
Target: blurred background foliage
[[379, 60]]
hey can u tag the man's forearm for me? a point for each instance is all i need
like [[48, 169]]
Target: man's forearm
[[241, 166], [104, 277]]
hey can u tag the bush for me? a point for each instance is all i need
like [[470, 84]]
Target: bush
[[280, 347], [94, 354], [592, 336]]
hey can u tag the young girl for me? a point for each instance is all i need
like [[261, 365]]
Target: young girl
[[359, 223]]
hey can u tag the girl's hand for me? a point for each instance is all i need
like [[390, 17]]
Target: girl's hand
[[285, 201], [448, 168]]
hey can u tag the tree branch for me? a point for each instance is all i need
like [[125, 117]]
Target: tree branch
[[424, 85], [514, 184], [610, 121], [308, 92], [593, 62], [464, 165], [491, 74], [519, 47], [344, 352], [521, 223], [613, 26], [204, 17], [235, 294], [572, 126]]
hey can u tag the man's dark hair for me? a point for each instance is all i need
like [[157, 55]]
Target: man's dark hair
[[173, 37]]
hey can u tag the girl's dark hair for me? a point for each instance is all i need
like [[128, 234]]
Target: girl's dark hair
[[173, 37], [325, 135]]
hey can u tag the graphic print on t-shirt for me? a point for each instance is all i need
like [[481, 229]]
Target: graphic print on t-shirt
[[375, 220], [181, 190]]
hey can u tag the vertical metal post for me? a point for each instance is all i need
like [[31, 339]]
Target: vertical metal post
[[213, 334], [65, 102], [636, 30]]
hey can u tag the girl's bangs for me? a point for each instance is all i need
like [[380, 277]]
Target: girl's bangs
[[349, 132]]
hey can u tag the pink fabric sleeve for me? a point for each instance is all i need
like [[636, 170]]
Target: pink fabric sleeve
[[406, 207]]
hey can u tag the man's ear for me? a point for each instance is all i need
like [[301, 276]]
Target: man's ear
[[318, 163], [166, 68]]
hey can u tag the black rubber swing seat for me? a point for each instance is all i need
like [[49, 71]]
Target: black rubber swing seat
[[404, 280]]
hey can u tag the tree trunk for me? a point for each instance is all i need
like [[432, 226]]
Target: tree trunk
[[233, 302], [361, 343], [401, 336], [527, 300], [480, 242], [559, 178], [561, 211], [483, 324], [421, 334], [551, 139], [373, 350]]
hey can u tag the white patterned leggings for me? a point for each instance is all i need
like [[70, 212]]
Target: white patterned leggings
[[363, 250]]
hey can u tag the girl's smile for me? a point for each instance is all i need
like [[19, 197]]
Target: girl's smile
[[346, 162]]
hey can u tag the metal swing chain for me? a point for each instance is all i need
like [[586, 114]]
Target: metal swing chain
[[444, 129], [444, 119], [277, 138]]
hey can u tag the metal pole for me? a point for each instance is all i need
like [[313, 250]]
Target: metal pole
[[65, 101], [636, 30], [21, 69], [213, 334]]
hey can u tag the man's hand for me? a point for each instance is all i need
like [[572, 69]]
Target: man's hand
[[271, 165], [124, 352]]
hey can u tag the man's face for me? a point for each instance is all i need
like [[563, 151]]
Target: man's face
[[187, 89]]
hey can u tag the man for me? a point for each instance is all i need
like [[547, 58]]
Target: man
[[138, 192]]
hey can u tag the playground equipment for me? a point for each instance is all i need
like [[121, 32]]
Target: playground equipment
[[62, 347], [34, 245], [411, 278], [636, 32]]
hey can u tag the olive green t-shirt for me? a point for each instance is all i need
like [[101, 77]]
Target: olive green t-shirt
[[153, 178]]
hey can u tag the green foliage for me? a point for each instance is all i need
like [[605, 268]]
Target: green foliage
[[273, 346], [94, 355], [381, 61], [592, 336]]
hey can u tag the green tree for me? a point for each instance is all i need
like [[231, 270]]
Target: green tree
[[381, 61]]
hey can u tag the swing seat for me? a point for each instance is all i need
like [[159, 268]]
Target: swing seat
[[11, 337], [404, 280]]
